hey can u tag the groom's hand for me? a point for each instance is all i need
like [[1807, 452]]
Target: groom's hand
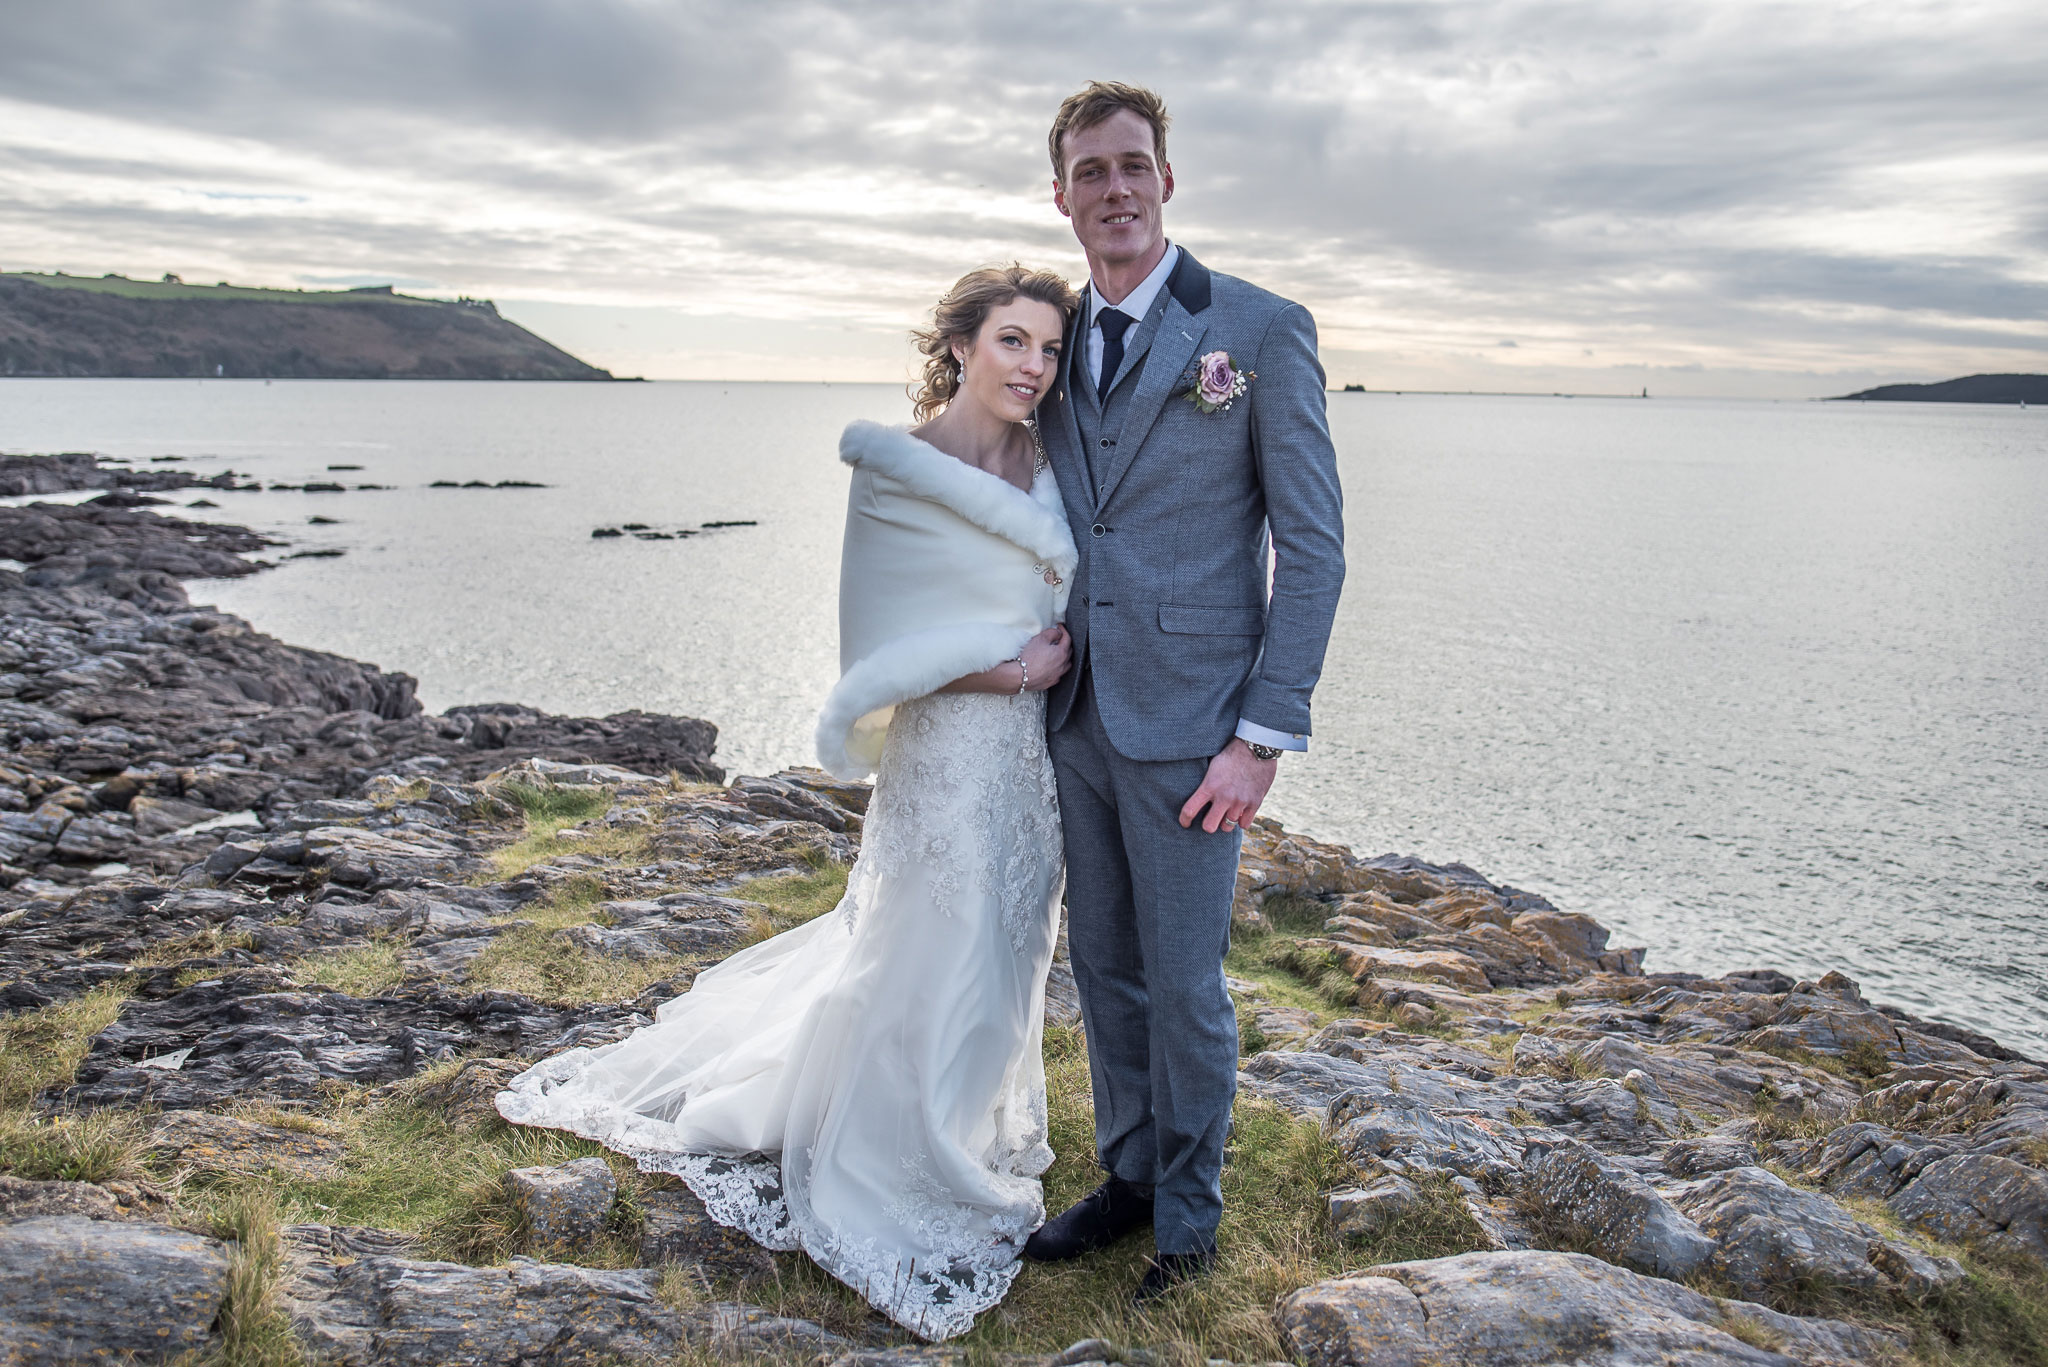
[[1232, 789]]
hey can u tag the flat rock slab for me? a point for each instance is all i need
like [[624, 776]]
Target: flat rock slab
[[249, 1040], [74, 1290], [749, 1332], [1366, 962], [23, 1200], [355, 1301], [1527, 1309], [221, 1143]]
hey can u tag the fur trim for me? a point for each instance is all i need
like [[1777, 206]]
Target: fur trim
[[908, 667], [1037, 521]]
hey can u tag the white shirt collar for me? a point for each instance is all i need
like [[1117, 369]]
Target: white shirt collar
[[1138, 302]]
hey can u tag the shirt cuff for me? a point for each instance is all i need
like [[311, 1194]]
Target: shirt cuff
[[1254, 734]]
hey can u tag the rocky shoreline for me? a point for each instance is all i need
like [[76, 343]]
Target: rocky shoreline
[[259, 914]]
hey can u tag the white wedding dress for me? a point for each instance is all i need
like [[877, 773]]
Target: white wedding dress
[[868, 1087]]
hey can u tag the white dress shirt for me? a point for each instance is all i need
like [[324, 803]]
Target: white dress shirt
[[1136, 305]]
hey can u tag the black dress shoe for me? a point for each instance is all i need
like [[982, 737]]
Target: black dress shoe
[[1169, 1270], [1097, 1220]]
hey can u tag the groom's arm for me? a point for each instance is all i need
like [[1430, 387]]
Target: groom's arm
[[1297, 467]]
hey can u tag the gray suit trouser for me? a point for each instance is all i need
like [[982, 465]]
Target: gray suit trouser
[[1148, 922]]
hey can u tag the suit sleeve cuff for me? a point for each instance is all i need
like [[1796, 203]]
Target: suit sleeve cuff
[[1252, 733]]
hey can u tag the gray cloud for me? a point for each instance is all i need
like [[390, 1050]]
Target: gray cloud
[[1688, 178]]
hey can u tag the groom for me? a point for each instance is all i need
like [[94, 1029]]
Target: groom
[[1189, 424]]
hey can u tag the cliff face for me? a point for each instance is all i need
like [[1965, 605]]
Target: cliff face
[[68, 326]]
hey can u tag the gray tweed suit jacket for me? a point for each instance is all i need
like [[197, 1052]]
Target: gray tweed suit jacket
[[1172, 509]]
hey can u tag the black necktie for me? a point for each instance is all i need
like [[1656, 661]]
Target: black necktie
[[1113, 324]]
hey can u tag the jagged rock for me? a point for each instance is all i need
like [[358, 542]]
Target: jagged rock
[[1522, 1309], [1361, 1212], [254, 1036], [1864, 1159], [372, 861], [563, 1206], [1062, 995], [1373, 909], [1771, 1234], [74, 1289], [681, 923], [1979, 1198], [1371, 1129], [677, 1229], [355, 1301], [224, 1144], [1617, 1212], [1708, 1154]]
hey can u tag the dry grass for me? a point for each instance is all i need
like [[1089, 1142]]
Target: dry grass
[[547, 812], [253, 1330], [1753, 1332], [1275, 1238], [790, 899], [532, 959], [359, 970], [535, 962], [205, 944], [41, 1049], [406, 1167]]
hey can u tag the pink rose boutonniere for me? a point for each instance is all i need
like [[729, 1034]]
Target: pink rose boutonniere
[[1218, 383]]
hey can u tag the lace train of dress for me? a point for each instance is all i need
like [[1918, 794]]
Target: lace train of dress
[[868, 1087]]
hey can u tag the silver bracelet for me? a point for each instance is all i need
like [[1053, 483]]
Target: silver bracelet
[[1023, 669]]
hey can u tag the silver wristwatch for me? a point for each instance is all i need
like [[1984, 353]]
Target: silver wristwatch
[[1263, 751]]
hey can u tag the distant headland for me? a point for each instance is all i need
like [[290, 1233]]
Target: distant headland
[[1969, 389], [112, 326]]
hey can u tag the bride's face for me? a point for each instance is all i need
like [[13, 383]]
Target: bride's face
[[1015, 358]]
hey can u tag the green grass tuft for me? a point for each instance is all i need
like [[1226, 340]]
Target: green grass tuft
[[97, 1146]]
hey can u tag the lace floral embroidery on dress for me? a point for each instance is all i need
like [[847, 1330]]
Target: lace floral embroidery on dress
[[962, 839], [965, 784]]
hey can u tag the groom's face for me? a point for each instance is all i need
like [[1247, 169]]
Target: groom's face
[[1113, 188]]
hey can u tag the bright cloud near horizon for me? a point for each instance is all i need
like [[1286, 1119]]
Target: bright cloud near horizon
[[1706, 196]]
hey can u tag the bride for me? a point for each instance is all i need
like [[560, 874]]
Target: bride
[[868, 1087]]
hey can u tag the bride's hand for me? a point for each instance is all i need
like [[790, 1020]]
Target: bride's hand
[[1047, 656]]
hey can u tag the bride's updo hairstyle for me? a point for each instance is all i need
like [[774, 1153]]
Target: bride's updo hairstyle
[[957, 320]]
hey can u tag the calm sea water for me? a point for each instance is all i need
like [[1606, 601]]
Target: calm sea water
[[1754, 683]]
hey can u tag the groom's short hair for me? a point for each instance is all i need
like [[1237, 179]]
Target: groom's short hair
[[1102, 99]]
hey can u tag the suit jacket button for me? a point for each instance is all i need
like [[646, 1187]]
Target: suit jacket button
[[1097, 530], [1107, 443]]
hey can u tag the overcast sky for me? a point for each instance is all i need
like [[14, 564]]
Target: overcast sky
[[1722, 198]]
